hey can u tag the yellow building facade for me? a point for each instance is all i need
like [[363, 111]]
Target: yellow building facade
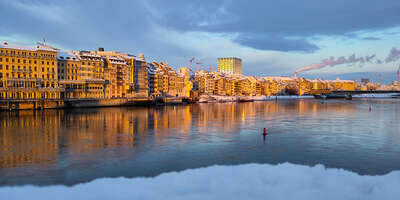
[[28, 72], [230, 65]]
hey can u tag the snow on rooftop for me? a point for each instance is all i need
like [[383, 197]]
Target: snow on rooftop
[[66, 55], [8, 46], [249, 181]]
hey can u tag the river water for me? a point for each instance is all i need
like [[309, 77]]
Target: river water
[[79, 145]]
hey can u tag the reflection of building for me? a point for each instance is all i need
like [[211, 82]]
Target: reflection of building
[[230, 65], [39, 145]]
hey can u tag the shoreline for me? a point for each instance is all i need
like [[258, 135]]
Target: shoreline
[[40, 104]]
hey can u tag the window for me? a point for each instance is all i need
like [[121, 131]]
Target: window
[[52, 63], [42, 62], [6, 59], [18, 60], [1, 67], [48, 63], [1, 59], [6, 67], [35, 62], [42, 69]]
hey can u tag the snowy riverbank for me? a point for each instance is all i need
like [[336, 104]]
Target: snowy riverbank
[[250, 181], [388, 95], [216, 98]]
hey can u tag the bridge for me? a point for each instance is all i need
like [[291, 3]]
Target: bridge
[[348, 94]]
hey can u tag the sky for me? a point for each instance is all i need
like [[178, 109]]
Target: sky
[[271, 37]]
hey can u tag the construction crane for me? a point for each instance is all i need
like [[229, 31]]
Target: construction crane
[[198, 65], [191, 62], [210, 68], [398, 75]]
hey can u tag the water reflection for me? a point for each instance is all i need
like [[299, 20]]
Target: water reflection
[[29, 137], [35, 142]]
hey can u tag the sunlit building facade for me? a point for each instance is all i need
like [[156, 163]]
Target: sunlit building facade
[[230, 65], [28, 72]]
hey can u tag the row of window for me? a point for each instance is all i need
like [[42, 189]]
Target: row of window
[[25, 61], [28, 95], [25, 68], [69, 65], [20, 75]]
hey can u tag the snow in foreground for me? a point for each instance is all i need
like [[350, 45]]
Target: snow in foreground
[[250, 181]]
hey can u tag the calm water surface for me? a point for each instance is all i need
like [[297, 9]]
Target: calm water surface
[[74, 146]]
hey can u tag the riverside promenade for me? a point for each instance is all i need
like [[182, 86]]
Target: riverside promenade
[[39, 104]]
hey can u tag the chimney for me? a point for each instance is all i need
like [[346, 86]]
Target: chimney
[[296, 75], [101, 49]]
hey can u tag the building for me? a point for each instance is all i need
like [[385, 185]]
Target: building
[[92, 73], [28, 72], [230, 65], [69, 75], [141, 85]]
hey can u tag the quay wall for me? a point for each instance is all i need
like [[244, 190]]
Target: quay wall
[[85, 103]]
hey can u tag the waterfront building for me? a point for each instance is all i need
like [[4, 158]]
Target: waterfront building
[[141, 85], [230, 65], [115, 71], [92, 74], [130, 74], [168, 82], [152, 78], [28, 72], [344, 85], [187, 84], [69, 76]]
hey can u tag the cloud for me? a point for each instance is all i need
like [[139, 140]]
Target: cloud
[[393, 56], [275, 43], [163, 29], [371, 38], [281, 19], [250, 181], [82, 25]]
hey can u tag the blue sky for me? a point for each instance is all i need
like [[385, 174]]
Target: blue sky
[[271, 37]]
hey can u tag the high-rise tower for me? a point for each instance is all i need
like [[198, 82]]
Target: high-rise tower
[[230, 65]]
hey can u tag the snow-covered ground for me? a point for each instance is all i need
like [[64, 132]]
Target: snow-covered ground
[[249, 181], [388, 95], [216, 98]]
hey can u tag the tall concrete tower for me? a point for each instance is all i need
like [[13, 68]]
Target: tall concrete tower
[[230, 65]]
